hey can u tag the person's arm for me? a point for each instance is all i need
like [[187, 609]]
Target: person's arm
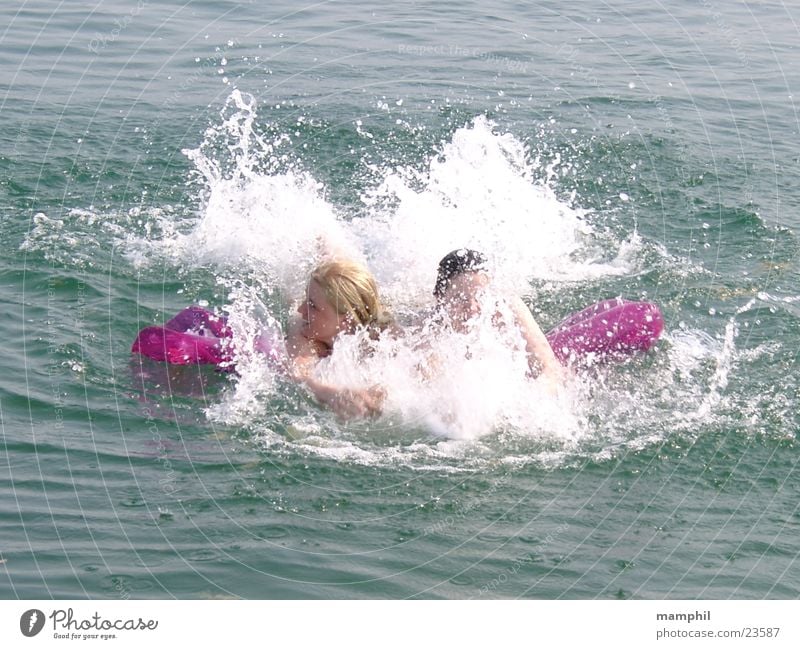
[[348, 403], [345, 402], [540, 355]]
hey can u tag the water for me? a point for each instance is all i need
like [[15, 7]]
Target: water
[[160, 155]]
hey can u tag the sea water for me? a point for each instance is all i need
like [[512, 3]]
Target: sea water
[[206, 153]]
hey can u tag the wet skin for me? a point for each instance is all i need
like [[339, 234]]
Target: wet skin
[[321, 322]]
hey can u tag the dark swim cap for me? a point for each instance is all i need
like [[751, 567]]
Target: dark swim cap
[[454, 263]]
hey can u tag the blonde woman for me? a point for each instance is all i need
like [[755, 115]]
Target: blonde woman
[[341, 299]]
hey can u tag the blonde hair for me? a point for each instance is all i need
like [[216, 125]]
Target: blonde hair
[[352, 291]]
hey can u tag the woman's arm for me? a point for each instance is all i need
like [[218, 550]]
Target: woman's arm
[[540, 355], [304, 355], [348, 403]]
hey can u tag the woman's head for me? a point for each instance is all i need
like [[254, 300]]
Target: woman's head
[[461, 279], [341, 296]]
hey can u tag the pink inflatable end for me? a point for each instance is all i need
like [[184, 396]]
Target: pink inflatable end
[[178, 348], [609, 328]]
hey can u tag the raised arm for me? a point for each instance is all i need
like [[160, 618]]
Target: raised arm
[[541, 359]]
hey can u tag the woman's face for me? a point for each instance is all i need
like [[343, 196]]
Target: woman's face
[[462, 298], [321, 322]]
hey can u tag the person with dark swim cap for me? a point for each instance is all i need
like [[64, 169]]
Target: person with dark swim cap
[[462, 278], [454, 263]]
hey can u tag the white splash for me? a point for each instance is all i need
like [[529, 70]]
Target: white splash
[[479, 191], [264, 223]]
